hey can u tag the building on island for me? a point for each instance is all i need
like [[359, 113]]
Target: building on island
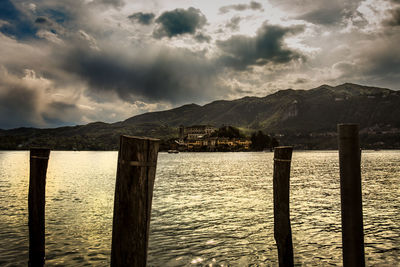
[[196, 131], [201, 138]]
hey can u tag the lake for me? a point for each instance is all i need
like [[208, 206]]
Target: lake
[[213, 209]]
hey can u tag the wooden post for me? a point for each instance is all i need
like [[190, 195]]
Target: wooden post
[[350, 192], [39, 158], [282, 228], [137, 161]]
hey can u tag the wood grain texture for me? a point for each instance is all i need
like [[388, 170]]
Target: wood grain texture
[[281, 184], [36, 205], [133, 199], [351, 195]]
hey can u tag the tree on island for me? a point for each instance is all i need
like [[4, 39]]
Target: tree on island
[[229, 132], [261, 141]]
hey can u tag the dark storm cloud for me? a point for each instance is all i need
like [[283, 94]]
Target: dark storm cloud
[[45, 22], [379, 65], [394, 19], [23, 102], [53, 110], [233, 23], [179, 21], [142, 18], [41, 20], [383, 63], [241, 7], [267, 46], [17, 107], [173, 76]]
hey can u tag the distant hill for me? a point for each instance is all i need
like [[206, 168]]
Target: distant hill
[[304, 118]]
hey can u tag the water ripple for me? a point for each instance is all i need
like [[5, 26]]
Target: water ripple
[[209, 209]]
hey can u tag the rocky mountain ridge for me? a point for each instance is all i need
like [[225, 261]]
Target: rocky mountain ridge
[[298, 117]]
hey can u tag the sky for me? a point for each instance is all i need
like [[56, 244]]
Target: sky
[[71, 62]]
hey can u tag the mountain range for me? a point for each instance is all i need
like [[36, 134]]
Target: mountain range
[[303, 118]]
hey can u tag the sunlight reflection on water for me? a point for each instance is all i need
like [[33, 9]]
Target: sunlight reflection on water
[[208, 208]]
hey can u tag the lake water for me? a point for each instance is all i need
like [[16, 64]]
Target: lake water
[[213, 209]]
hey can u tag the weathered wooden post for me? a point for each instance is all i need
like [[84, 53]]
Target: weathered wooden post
[[350, 192], [137, 161], [282, 228], [39, 158]]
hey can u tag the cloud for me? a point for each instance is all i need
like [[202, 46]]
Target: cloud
[[167, 75], [242, 91], [201, 37], [32, 7], [114, 3], [372, 62], [322, 12], [301, 80], [241, 52], [49, 30], [241, 7], [90, 39], [41, 20], [24, 100], [178, 22], [48, 24], [255, 5], [233, 23], [380, 64], [17, 103], [394, 19], [327, 15], [77, 61], [17, 56], [3, 22], [142, 18], [61, 113], [50, 36]]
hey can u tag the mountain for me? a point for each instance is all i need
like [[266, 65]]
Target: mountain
[[305, 118], [318, 109]]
